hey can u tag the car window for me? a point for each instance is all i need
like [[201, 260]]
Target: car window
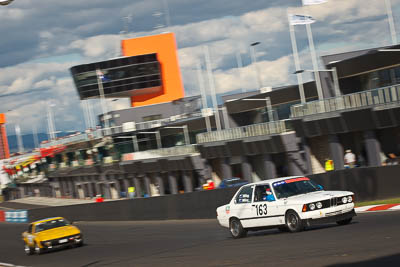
[[51, 224], [30, 228], [295, 186], [261, 192], [245, 195]]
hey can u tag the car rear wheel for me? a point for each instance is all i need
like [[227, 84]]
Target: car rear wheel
[[236, 229], [38, 250], [344, 222], [293, 222], [28, 249]]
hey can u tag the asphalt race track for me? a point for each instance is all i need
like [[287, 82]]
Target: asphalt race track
[[372, 239]]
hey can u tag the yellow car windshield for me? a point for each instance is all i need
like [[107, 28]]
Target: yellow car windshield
[[50, 225]]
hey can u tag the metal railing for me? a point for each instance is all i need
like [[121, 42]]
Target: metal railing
[[162, 152], [74, 139], [374, 97], [268, 128], [139, 126]]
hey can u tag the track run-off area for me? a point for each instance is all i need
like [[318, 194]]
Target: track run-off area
[[372, 239]]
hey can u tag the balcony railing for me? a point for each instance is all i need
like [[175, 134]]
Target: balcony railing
[[268, 128], [140, 126], [162, 152], [375, 97], [74, 139]]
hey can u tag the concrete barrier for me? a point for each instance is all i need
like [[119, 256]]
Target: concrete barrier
[[371, 183], [196, 205], [366, 183]]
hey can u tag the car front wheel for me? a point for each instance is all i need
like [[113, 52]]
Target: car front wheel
[[293, 222], [28, 249], [236, 229], [38, 250]]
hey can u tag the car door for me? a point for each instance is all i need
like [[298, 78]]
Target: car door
[[243, 208], [266, 206]]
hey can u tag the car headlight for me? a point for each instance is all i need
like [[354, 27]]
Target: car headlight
[[319, 205], [349, 199], [312, 206], [78, 236], [344, 200]]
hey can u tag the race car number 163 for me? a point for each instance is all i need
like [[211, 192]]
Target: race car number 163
[[261, 209]]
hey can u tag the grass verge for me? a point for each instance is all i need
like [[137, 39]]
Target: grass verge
[[378, 202]]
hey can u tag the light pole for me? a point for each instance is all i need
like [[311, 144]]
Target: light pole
[[335, 78], [158, 137], [185, 132], [254, 61], [50, 121], [268, 105]]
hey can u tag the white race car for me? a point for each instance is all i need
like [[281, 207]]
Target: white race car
[[289, 203]]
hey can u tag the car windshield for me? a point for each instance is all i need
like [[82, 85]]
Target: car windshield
[[51, 224], [295, 186]]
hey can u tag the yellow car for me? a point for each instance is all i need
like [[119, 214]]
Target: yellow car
[[50, 233]]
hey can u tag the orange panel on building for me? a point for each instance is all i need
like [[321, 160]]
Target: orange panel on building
[[165, 47], [4, 150]]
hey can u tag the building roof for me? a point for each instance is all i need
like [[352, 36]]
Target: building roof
[[358, 62]]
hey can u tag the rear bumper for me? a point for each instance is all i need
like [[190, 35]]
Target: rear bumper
[[330, 219]]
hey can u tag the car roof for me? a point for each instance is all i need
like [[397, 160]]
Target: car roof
[[46, 220], [270, 181]]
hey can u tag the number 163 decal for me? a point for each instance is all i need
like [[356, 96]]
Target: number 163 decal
[[261, 209]]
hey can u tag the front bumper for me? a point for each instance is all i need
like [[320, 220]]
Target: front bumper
[[62, 242], [330, 219]]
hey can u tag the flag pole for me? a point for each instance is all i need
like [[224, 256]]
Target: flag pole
[[314, 62], [313, 53], [391, 22], [212, 87], [296, 61], [203, 94]]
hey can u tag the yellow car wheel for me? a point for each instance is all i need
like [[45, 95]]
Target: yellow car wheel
[[28, 249], [38, 250]]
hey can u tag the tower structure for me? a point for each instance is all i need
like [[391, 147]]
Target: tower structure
[[4, 149]]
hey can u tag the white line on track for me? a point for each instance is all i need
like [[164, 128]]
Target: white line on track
[[3, 264]]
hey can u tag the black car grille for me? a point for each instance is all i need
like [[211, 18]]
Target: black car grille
[[56, 242]]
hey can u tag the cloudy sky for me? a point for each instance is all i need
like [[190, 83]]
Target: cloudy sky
[[41, 40]]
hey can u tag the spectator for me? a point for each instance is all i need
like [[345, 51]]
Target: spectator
[[350, 159], [329, 165]]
